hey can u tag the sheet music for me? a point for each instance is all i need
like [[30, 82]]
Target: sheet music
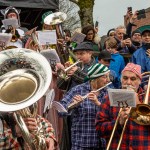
[[59, 107], [51, 55], [122, 98], [78, 37], [1, 127], [50, 95], [12, 22], [47, 37], [5, 39], [1, 130]]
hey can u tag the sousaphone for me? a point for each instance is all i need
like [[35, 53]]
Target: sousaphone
[[25, 76], [55, 20]]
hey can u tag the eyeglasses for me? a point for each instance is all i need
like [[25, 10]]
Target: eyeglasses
[[105, 76]]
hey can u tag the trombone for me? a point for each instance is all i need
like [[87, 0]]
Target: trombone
[[139, 115], [12, 30]]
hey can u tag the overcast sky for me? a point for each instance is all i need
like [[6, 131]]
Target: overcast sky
[[110, 13]]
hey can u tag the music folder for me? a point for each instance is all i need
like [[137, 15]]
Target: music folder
[[59, 107], [50, 103], [5, 39], [78, 37], [122, 98], [12, 22]]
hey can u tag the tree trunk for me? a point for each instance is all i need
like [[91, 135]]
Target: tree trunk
[[86, 11]]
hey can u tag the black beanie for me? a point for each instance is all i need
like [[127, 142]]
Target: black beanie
[[136, 31]]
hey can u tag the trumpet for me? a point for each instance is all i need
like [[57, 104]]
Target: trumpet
[[74, 103], [140, 115], [12, 30], [62, 73]]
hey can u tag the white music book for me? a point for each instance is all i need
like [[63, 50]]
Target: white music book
[[51, 55], [122, 98], [47, 37], [12, 22], [50, 103], [78, 37], [59, 107], [50, 95], [5, 39]]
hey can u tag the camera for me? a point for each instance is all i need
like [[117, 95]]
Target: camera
[[141, 14]]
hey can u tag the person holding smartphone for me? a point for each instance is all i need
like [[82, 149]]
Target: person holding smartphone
[[92, 36]]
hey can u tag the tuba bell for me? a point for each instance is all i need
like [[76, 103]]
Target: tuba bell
[[25, 76], [55, 20]]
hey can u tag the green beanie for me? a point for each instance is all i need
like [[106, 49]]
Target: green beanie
[[45, 15], [96, 71]]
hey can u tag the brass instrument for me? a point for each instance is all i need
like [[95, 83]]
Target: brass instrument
[[33, 35], [140, 115], [14, 37], [12, 30], [56, 20], [74, 103], [5, 40], [62, 73], [144, 109], [25, 77]]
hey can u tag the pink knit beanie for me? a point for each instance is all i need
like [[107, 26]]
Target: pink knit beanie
[[133, 68]]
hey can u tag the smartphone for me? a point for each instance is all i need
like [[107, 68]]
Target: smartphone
[[129, 9], [96, 24], [125, 36]]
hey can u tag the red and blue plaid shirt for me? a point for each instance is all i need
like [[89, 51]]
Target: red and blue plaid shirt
[[136, 137], [8, 141]]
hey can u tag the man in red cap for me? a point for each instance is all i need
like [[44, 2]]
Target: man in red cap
[[135, 136]]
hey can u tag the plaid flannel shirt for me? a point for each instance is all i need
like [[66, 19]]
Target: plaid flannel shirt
[[83, 132], [8, 141], [136, 137]]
